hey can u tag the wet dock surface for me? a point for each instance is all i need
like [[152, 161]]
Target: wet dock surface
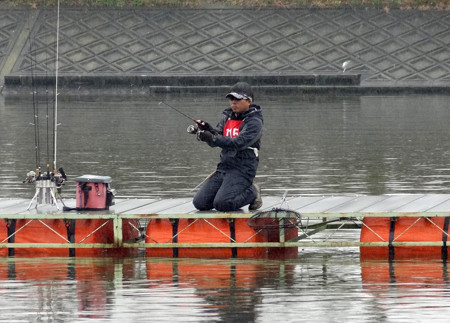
[[305, 205]]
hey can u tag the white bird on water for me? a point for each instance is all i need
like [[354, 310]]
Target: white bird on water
[[344, 65]]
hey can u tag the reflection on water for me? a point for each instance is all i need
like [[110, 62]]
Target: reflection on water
[[117, 289], [317, 287], [407, 289], [312, 144]]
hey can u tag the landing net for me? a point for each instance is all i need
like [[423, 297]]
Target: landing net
[[275, 219]]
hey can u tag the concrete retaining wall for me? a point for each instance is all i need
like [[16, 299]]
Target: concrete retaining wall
[[214, 47]]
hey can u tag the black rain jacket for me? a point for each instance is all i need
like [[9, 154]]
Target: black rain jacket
[[236, 154]]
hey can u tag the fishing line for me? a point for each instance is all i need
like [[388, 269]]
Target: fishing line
[[15, 138]]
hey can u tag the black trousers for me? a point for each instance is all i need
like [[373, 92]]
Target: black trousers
[[225, 192]]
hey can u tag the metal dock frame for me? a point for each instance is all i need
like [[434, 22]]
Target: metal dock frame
[[323, 221]]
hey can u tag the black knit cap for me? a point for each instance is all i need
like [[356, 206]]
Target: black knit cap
[[241, 90]]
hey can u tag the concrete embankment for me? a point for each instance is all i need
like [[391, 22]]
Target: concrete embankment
[[123, 51]]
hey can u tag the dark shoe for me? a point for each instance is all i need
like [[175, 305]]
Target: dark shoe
[[257, 202]]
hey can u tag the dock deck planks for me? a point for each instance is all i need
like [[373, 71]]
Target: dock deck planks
[[343, 204]]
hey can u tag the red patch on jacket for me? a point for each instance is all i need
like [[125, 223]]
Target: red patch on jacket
[[231, 128]]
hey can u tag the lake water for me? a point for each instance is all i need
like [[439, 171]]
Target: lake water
[[312, 145], [316, 287]]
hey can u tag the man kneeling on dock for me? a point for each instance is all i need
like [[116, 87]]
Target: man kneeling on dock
[[238, 133]]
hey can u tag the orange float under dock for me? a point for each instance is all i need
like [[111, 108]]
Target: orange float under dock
[[385, 226], [419, 230]]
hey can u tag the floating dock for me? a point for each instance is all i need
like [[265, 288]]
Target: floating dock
[[320, 223]]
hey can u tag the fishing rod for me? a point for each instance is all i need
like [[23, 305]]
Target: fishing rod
[[45, 191], [191, 128], [55, 126], [34, 99], [36, 109], [179, 111]]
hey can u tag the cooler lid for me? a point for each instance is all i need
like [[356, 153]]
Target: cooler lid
[[93, 179]]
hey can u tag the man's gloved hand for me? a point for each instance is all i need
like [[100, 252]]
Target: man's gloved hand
[[203, 125], [205, 136]]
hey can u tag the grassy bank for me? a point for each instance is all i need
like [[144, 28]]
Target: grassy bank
[[385, 4]]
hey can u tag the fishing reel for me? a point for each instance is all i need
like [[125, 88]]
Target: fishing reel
[[201, 125], [31, 177], [58, 177], [192, 129]]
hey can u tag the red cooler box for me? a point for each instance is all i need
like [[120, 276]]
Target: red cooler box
[[93, 192]]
